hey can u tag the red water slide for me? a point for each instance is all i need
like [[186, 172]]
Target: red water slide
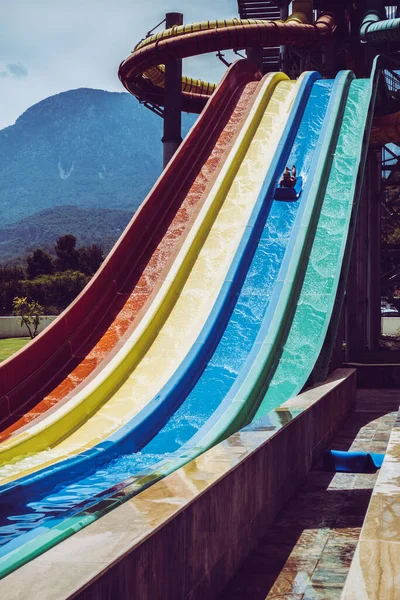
[[74, 347]]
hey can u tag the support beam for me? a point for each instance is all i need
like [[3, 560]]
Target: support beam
[[172, 98], [284, 62], [256, 56], [363, 286], [374, 262]]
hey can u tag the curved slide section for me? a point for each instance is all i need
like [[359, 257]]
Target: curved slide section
[[51, 369], [213, 36], [272, 243], [164, 338], [375, 28], [156, 74]]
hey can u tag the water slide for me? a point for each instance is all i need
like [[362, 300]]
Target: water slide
[[284, 253], [234, 225], [284, 230]]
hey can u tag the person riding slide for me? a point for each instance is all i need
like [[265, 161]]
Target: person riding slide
[[288, 178]]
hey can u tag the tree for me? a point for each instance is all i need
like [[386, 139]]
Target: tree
[[10, 286], [55, 291], [90, 259], [39, 263], [30, 314], [67, 254]]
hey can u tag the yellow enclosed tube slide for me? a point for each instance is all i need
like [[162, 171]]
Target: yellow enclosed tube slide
[[157, 74], [173, 323]]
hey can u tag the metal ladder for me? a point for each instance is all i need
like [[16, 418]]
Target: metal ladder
[[269, 10]]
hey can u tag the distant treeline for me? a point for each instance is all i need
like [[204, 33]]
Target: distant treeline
[[54, 283]]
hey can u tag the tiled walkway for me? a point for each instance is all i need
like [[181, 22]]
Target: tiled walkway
[[307, 553]]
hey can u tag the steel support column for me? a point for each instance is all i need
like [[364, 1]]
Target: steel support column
[[256, 56], [374, 244], [363, 287], [284, 59], [172, 98]]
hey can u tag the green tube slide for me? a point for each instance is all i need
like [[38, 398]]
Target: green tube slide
[[375, 28]]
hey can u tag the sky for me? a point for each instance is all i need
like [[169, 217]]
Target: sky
[[49, 46]]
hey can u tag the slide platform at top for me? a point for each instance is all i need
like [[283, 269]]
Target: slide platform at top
[[51, 368]]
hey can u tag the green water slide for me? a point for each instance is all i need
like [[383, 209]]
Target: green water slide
[[310, 341], [375, 28]]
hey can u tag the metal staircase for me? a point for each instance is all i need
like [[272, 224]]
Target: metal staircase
[[269, 10], [259, 9]]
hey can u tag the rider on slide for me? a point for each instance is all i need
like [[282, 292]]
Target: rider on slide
[[288, 178]]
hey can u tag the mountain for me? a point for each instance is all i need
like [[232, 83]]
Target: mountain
[[86, 148], [89, 226]]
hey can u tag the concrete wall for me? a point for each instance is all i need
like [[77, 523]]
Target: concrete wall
[[185, 537], [11, 327], [390, 326]]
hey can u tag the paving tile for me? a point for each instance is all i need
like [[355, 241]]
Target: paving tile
[[314, 592], [342, 481], [356, 503], [285, 597], [338, 553], [365, 481], [289, 582]]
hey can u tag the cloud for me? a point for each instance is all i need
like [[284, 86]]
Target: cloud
[[17, 70], [14, 70]]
